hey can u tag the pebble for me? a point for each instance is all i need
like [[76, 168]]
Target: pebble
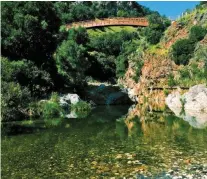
[[129, 162]]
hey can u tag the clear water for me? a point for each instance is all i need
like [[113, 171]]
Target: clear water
[[103, 145]]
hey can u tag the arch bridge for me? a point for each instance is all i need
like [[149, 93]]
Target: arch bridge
[[120, 21]]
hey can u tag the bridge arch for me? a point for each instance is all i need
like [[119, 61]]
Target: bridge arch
[[121, 21]]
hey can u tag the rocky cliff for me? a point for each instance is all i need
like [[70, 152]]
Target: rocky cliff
[[157, 67]]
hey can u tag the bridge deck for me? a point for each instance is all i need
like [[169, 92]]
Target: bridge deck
[[110, 22]]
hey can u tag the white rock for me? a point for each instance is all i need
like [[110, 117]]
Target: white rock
[[196, 99], [131, 94], [72, 115], [195, 119], [173, 101], [69, 99], [195, 105]]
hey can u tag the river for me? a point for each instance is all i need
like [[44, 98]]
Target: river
[[106, 144]]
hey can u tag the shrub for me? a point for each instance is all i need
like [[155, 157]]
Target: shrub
[[46, 108], [51, 109], [14, 101], [81, 106], [197, 33], [27, 74], [156, 28], [71, 62], [153, 36], [54, 97], [121, 65], [171, 81], [138, 69], [35, 109], [81, 109], [182, 51], [166, 92], [192, 74], [184, 73]]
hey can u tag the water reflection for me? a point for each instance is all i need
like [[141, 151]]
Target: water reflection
[[155, 126], [194, 118], [110, 142]]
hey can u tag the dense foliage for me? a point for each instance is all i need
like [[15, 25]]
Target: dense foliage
[[39, 56], [14, 101], [71, 57], [110, 51], [29, 27], [76, 11], [21, 80], [157, 26], [197, 33], [182, 50]]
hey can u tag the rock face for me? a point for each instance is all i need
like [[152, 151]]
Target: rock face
[[154, 74], [194, 107], [67, 99]]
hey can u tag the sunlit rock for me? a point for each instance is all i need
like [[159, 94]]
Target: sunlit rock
[[194, 107], [72, 114], [196, 99], [196, 119], [69, 99], [174, 102]]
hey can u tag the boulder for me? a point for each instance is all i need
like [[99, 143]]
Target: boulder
[[173, 101], [194, 106], [67, 99], [195, 119], [196, 99]]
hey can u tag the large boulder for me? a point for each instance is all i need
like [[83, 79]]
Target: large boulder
[[195, 119], [196, 99], [191, 106]]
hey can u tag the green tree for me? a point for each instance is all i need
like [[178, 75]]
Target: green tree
[[14, 101], [157, 25], [27, 74], [71, 57], [29, 31]]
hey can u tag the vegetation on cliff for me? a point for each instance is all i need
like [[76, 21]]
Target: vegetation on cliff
[[179, 59]]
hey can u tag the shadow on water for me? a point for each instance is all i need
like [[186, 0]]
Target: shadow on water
[[17, 128], [100, 114]]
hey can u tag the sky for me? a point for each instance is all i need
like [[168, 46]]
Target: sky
[[172, 9]]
